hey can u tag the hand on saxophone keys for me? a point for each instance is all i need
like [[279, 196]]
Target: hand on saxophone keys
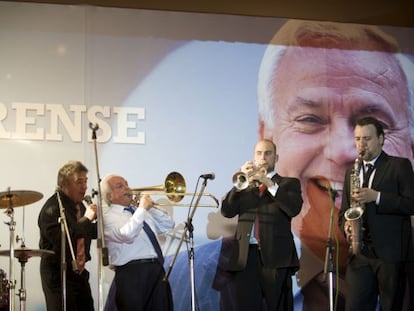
[[364, 195]]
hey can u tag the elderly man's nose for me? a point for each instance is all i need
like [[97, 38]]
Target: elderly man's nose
[[340, 146]]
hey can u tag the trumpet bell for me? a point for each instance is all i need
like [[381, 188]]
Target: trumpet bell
[[240, 181]]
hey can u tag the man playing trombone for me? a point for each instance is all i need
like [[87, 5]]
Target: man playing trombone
[[133, 248], [258, 262]]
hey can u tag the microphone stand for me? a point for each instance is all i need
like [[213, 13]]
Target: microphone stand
[[102, 249], [188, 228], [63, 236], [328, 265]]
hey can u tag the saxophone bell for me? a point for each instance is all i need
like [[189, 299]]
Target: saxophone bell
[[354, 229]]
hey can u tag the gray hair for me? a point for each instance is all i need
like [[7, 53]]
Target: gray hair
[[106, 188], [295, 33], [68, 170]]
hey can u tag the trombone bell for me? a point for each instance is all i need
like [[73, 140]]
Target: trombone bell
[[175, 186]]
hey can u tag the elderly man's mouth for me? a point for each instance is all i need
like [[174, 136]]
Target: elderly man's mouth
[[330, 188]]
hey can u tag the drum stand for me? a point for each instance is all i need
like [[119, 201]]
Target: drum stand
[[8, 200], [22, 290], [23, 254]]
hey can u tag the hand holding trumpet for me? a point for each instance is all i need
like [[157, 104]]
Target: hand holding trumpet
[[253, 169], [251, 173]]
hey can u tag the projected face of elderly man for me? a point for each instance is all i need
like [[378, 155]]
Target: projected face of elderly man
[[313, 96]]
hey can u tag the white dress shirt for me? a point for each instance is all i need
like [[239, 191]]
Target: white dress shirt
[[124, 235], [365, 168]]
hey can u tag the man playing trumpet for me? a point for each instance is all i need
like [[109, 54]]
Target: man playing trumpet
[[261, 258]]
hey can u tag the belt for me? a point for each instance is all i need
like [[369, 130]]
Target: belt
[[137, 261]]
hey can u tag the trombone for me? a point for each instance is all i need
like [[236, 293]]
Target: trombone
[[175, 189]]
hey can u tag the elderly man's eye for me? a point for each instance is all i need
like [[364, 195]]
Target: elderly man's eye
[[118, 186], [309, 123], [310, 119]]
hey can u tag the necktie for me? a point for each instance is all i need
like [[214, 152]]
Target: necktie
[[367, 174], [80, 246], [262, 189], [130, 209], [151, 236], [154, 241]]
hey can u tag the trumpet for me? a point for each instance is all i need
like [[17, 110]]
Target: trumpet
[[242, 181], [175, 190]]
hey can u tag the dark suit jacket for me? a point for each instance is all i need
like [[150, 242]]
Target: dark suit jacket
[[275, 214], [389, 222], [50, 231]]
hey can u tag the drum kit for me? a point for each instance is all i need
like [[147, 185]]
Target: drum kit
[[8, 201]]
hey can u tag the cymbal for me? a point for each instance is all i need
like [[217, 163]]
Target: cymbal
[[25, 253], [18, 198]]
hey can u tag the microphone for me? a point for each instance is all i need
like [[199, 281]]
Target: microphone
[[334, 193], [208, 176], [88, 199], [94, 127]]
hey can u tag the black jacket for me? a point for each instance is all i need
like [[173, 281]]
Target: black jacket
[[50, 230]]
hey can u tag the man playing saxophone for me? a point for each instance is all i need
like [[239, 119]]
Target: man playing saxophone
[[386, 196]]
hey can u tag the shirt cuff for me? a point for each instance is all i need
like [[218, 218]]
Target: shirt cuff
[[377, 201]]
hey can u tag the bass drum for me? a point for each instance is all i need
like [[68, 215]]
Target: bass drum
[[4, 291]]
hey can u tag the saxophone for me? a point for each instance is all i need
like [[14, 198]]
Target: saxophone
[[353, 214]]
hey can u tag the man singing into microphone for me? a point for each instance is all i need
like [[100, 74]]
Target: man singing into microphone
[[261, 258], [72, 185], [134, 252]]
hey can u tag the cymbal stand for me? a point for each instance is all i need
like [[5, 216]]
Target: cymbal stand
[[12, 283], [22, 260], [188, 228], [22, 290]]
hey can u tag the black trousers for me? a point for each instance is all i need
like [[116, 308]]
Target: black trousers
[[369, 278], [78, 290], [258, 288], [140, 287]]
